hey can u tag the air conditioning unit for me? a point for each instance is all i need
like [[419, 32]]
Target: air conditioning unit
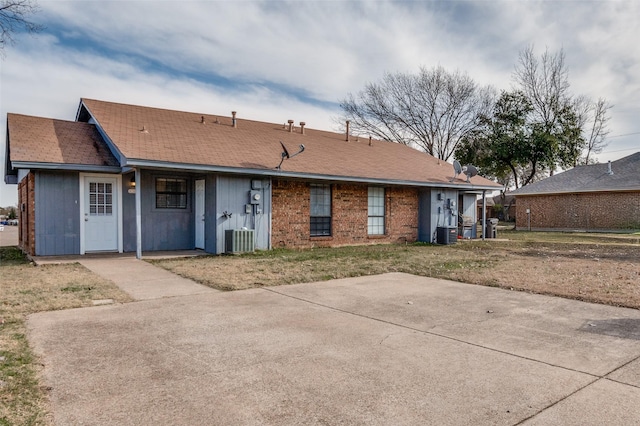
[[446, 235], [239, 241]]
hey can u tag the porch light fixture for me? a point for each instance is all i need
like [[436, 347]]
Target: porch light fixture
[[132, 182]]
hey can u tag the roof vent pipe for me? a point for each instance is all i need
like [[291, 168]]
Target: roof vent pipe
[[369, 140], [302, 124], [234, 122], [347, 134], [202, 119], [609, 171], [290, 125]]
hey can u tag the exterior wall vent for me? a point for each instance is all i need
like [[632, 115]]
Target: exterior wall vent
[[239, 241]]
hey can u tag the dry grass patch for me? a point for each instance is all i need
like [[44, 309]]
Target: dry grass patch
[[592, 268], [27, 289]]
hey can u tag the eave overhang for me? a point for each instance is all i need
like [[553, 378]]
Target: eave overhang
[[580, 191], [65, 166], [273, 173]]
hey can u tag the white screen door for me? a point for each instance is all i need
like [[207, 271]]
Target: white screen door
[[199, 214], [100, 214]]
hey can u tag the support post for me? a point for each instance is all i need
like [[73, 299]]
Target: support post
[[484, 214], [138, 215]]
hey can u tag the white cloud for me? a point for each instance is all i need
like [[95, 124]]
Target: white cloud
[[269, 59]]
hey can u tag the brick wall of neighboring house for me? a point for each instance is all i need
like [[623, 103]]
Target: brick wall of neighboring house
[[290, 224], [590, 211], [27, 214]]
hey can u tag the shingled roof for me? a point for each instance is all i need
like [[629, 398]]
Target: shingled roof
[[109, 135], [37, 141], [624, 176], [146, 136]]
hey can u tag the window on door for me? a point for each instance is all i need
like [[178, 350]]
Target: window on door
[[100, 199], [320, 210], [376, 211]]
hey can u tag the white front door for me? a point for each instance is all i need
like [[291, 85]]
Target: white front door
[[199, 214], [100, 214]]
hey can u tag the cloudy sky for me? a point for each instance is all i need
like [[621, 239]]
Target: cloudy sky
[[280, 60]]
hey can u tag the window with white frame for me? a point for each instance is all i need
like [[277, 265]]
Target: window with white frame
[[376, 211], [320, 209]]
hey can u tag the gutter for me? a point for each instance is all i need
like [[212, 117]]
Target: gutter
[[298, 175], [577, 191], [64, 166]]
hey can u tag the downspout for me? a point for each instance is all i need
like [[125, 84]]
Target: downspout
[[270, 215], [138, 215], [484, 214]]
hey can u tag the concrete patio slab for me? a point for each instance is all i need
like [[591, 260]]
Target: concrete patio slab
[[351, 351], [603, 403], [528, 325], [629, 374]]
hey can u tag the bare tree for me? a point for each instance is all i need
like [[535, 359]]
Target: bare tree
[[432, 110], [594, 118], [15, 16], [545, 83], [567, 130]]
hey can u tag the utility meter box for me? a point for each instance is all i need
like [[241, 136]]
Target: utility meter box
[[255, 197]]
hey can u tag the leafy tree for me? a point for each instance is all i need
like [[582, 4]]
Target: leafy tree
[[432, 110], [12, 213], [15, 16], [538, 127], [502, 147]]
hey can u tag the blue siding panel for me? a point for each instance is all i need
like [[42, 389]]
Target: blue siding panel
[[165, 229], [424, 216], [57, 220], [210, 226], [232, 195], [128, 215]]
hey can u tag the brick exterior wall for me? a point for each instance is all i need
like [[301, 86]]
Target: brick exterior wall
[[588, 211], [27, 214], [290, 221]]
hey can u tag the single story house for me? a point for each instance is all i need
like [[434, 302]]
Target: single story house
[[127, 178], [595, 197]]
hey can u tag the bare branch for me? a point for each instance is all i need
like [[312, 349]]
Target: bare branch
[[432, 110], [15, 17]]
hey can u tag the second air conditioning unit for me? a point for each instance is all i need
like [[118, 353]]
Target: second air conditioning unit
[[239, 240]]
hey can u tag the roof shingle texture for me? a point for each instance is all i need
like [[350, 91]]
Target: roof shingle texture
[[45, 140], [590, 178], [165, 136]]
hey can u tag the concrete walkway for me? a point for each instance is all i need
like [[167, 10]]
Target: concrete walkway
[[392, 349], [141, 280]]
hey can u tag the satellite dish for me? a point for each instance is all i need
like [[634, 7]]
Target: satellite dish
[[285, 153], [470, 171], [457, 169]]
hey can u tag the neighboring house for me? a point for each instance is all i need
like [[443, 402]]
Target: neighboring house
[[487, 204], [127, 178], [593, 197], [506, 209]]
